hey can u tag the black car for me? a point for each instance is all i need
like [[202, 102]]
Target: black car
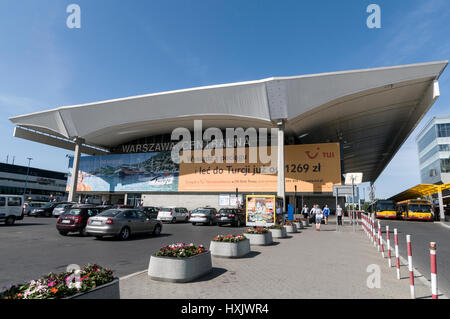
[[46, 210], [74, 220], [233, 216], [150, 211]]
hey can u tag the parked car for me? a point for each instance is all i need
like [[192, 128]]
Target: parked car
[[173, 214], [119, 206], [74, 219], [233, 216], [204, 215], [61, 208], [150, 210], [46, 210], [11, 208], [122, 223], [28, 206]]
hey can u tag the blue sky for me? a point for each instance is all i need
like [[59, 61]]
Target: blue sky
[[127, 48]]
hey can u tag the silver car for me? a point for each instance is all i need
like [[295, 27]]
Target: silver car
[[61, 208], [122, 223]]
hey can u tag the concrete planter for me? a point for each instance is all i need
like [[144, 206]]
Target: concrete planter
[[278, 233], [107, 291], [174, 269], [290, 228], [305, 223], [230, 249], [260, 239], [299, 225]]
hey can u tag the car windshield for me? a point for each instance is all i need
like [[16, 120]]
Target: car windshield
[[62, 206], [385, 206], [73, 212], [110, 213], [226, 211], [48, 205]]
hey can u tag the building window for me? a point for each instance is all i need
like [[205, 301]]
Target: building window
[[445, 165], [444, 147], [443, 130]]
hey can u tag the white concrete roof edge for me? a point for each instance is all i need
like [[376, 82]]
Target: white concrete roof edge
[[14, 118]]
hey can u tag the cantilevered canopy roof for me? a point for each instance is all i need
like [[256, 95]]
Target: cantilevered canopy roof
[[420, 190], [371, 112]]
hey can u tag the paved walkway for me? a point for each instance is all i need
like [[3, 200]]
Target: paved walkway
[[310, 264]]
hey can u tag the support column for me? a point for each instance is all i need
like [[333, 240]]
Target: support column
[[441, 206], [280, 171], [75, 167]]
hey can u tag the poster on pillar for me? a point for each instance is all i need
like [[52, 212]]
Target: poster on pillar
[[312, 167]]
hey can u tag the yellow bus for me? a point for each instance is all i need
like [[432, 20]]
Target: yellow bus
[[415, 209], [383, 209]]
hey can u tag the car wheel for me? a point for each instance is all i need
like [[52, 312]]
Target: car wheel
[[10, 220], [157, 230], [124, 233], [193, 224], [99, 237], [63, 233]]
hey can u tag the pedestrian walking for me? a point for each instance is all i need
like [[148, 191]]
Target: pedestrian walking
[[305, 211], [326, 213], [318, 215], [339, 213]]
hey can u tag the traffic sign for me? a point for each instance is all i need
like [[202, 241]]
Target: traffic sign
[[343, 190], [353, 178]]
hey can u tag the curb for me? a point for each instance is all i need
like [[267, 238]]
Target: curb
[[444, 224], [133, 274]]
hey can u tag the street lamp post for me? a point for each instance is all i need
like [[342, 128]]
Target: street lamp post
[[28, 172]]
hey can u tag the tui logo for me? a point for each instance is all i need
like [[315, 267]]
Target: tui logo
[[312, 156]]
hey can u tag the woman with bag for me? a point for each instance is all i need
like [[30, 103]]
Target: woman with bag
[[319, 216]]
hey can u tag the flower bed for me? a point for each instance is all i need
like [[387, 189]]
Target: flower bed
[[278, 231], [230, 246], [276, 227], [259, 236], [180, 250], [62, 285], [257, 230], [180, 263], [290, 227], [229, 238]]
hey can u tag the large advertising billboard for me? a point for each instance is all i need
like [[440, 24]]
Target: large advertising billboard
[[312, 168], [138, 172]]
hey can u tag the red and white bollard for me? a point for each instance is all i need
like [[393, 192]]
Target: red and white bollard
[[410, 266], [434, 287], [397, 258], [380, 235], [388, 242], [374, 234]]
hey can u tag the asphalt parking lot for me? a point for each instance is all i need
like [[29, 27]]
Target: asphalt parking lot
[[33, 247], [422, 233]]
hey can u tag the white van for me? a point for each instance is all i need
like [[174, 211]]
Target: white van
[[173, 214], [11, 208]]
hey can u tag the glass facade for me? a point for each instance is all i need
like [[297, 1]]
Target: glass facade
[[443, 130], [431, 174], [429, 137]]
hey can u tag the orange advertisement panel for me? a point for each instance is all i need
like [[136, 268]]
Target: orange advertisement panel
[[220, 177], [261, 210], [312, 167]]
